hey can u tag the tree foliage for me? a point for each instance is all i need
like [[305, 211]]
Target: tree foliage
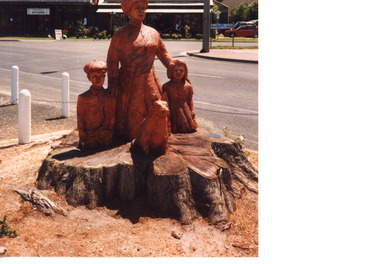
[[240, 13], [253, 11], [245, 12]]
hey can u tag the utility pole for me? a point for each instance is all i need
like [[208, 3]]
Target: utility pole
[[206, 26]]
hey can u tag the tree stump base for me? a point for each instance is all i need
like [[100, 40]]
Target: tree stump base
[[200, 174]]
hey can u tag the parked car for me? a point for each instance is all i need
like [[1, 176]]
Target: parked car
[[242, 31], [242, 23], [236, 25]]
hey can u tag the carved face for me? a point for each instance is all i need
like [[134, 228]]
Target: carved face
[[138, 11], [97, 78], [178, 73]]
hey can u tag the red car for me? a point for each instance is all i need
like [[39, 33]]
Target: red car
[[242, 31]]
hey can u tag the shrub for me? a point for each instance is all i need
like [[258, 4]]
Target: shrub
[[165, 36], [103, 34], [4, 231], [176, 36]]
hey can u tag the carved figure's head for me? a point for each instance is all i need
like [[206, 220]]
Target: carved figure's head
[[177, 71], [160, 108], [126, 6], [96, 72]]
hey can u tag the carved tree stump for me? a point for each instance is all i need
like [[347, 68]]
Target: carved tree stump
[[201, 173]]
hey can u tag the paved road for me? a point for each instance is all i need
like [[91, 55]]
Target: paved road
[[224, 92]]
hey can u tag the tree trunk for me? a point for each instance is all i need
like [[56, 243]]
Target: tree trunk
[[197, 176]]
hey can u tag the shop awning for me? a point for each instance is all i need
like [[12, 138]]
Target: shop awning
[[175, 11], [157, 6], [154, 11]]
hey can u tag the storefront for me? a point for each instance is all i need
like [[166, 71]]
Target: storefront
[[19, 17], [42, 17], [162, 15]]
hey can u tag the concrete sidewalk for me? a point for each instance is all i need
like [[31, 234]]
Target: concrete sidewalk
[[46, 122], [238, 55]]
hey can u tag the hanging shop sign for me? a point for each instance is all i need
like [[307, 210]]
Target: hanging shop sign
[[38, 11]]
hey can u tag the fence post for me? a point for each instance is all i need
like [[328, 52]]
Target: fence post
[[24, 117], [65, 94], [14, 84]]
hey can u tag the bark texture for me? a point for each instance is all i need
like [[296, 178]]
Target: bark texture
[[200, 174]]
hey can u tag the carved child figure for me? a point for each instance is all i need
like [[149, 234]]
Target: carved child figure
[[95, 110], [180, 97]]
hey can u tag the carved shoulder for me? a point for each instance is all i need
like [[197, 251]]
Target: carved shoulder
[[188, 87], [118, 36], [120, 31], [152, 31], [165, 87], [86, 95]]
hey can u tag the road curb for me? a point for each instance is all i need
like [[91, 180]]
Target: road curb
[[8, 39], [36, 139], [205, 56]]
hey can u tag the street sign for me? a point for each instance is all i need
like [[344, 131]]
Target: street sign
[[58, 33], [221, 26]]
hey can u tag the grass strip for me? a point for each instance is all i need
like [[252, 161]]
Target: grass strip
[[230, 47]]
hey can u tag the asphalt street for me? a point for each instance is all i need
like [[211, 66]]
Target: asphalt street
[[225, 93]]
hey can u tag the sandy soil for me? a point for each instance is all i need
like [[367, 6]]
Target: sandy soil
[[108, 231]]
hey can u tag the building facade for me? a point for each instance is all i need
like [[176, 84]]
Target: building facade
[[161, 15], [42, 17]]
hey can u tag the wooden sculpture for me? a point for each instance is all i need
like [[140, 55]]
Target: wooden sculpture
[[95, 110], [180, 96], [135, 82], [188, 174]]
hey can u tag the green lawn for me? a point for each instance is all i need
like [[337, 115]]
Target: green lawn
[[223, 39], [251, 40], [230, 47]]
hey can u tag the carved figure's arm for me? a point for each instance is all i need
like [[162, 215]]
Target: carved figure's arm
[[162, 54], [190, 100], [164, 96], [80, 120], [113, 60]]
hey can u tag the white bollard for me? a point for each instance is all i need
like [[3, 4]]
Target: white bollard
[[14, 84], [24, 117], [65, 94]]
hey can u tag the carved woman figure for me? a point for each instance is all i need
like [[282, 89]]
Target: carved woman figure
[[134, 47], [180, 96]]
